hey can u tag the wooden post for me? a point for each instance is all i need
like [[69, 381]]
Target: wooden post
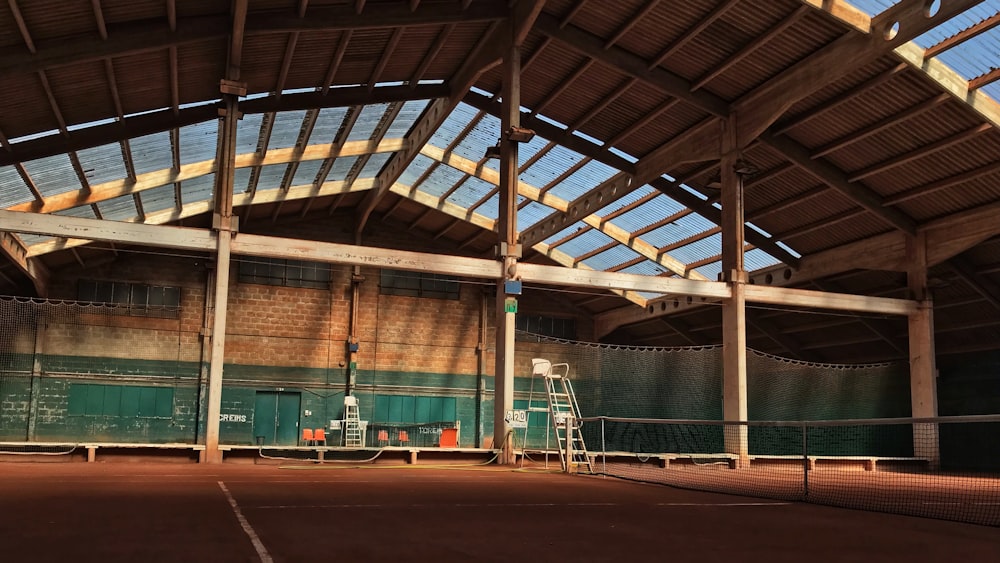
[[734, 334], [923, 369], [503, 396]]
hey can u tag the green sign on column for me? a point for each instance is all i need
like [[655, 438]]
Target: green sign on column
[[510, 305]]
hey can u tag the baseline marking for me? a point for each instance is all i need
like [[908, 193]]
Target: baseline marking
[[265, 557], [515, 505]]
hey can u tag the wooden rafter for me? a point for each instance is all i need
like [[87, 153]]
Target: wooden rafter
[[692, 32], [963, 36]]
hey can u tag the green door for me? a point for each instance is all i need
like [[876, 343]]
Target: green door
[[276, 418]]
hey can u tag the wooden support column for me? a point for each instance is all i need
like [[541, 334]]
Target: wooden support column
[[225, 225], [734, 334], [506, 305], [923, 368]]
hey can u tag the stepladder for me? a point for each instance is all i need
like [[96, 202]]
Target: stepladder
[[352, 423], [564, 414]]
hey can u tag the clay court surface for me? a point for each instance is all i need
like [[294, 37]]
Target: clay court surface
[[170, 512]]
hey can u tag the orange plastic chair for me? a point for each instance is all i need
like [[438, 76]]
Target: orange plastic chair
[[320, 436], [383, 436], [307, 436], [449, 438], [404, 437]]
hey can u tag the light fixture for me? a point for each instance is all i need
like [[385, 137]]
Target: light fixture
[[520, 135], [743, 168]]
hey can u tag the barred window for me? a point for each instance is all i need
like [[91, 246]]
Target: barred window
[[547, 326], [418, 284], [141, 300], [287, 273]]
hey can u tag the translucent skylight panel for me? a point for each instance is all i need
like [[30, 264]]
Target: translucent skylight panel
[[711, 271], [84, 211], [699, 249], [454, 124], [12, 188], [30, 240], [585, 243], [121, 208], [55, 174], [367, 122], [559, 235], [645, 268], [151, 153], [588, 177], [103, 164], [546, 169], [483, 135], [247, 131], [490, 208], [198, 142], [286, 129], [531, 214], [415, 170], [627, 199], [680, 229], [471, 191], [197, 189], [341, 168], [374, 165], [441, 180], [306, 172], [648, 213], [756, 259], [407, 117], [158, 199], [328, 122], [241, 180], [271, 176], [611, 258]]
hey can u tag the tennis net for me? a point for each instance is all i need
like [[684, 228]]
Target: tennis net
[[942, 467]]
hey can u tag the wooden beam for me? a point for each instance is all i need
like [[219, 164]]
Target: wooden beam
[[13, 248], [984, 79], [962, 36], [691, 32]]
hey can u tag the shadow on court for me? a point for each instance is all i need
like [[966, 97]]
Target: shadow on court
[[148, 512]]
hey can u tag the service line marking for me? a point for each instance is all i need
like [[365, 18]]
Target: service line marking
[[265, 557], [515, 505]]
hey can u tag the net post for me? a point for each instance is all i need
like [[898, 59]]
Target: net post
[[569, 443], [805, 460], [604, 451]]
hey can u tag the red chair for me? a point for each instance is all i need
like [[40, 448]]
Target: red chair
[[404, 437], [307, 436], [449, 438], [383, 437], [319, 435]]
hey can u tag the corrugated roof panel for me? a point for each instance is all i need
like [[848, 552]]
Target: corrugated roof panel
[[549, 167], [491, 208], [473, 146], [341, 168], [198, 142], [756, 259], [531, 214], [441, 180], [364, 127], [375, 164], [151, 152], [247, 130], [627, 199], [241, 180], [699, 249], [565, 232], [648, 213], [121, 208], [158, 199], [711, 271], [84, 211], [611, 258], [415, 170], [30, 240], [407, 117], [585, 243], [646, 268], [12, 188], [453, 125], [305, 174], [198, 189], [588, 177], [103, 164], [471, 191], [287, 125], [55, 175], [328, 122], [677, 230], [271, 176]]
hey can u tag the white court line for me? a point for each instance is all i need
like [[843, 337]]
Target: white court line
[[516, 505], [265, 557]]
